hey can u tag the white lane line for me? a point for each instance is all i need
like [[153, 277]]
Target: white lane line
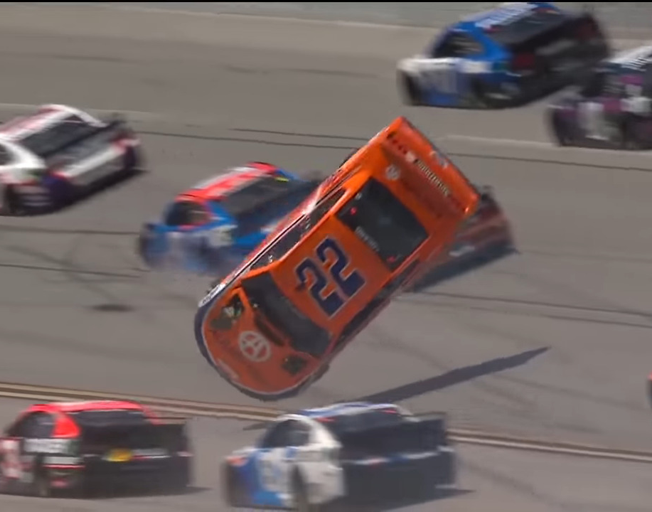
[[548, 146], [133, 114], [317, 22], [499, 142]]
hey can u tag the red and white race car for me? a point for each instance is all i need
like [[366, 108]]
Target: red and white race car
[[58, 153], [486, 236]]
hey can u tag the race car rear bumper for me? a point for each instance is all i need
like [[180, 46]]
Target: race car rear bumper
[[163, 474]]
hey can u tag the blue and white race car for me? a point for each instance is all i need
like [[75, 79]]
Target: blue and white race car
[[350, 452], [211, 227], [508, 56]]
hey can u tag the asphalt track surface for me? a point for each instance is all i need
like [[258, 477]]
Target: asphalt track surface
[[552, 342]]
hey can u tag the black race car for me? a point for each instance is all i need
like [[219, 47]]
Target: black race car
[[612, 109], [83, 447]]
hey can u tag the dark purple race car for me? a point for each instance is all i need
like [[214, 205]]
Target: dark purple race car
[[612, 109]]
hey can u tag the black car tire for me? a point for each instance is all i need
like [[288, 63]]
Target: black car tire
[[178, 481], [483, 99], [557, 129], [11, 203], [410, 90], [41, 487], [629, 133], [232, 490], [300, 495]]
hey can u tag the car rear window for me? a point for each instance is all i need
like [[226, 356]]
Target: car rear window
[[57, 136]]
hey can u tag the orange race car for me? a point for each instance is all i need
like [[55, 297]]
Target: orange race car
[[379, 222]]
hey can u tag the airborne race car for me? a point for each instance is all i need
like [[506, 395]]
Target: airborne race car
[[82, 447], [505, 57], [58, 154], [377, 224], [612, 109], [348, 452], [213, 226]]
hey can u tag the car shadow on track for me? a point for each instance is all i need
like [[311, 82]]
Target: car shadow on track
[[453, 377], [445, 380], [399, 503], [139, 492]]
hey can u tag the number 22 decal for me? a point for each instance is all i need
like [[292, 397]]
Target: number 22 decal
[[347, 286]]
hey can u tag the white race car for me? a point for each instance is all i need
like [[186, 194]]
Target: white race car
[[349, 452], [53, 156]]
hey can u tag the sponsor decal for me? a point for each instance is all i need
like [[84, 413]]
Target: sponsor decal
[[254, 346], [392, 173], [53, 446]]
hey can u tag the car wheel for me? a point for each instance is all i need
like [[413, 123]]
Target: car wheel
[[410, 90], [558, 130], [629, 134], [41, 487], [232, 489], [300, 496], [482, 98], [133, 160], [11, 203]]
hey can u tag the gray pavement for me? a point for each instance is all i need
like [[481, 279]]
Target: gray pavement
[[552, 342]]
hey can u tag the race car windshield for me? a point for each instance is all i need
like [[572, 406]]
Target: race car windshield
[[267, 298], [383, 223], [186, 213], [56, 137], [524, 28]]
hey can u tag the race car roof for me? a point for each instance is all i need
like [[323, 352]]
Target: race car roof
[[507, 13], [94, 405], [233, 179], [345, 409]]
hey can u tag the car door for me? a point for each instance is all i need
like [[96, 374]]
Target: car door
[[317, 459], [272, 461], [599, 115], [446, 74]]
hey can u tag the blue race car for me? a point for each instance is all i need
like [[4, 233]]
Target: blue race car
[[343, 454], [509, 56], [211, 227]]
